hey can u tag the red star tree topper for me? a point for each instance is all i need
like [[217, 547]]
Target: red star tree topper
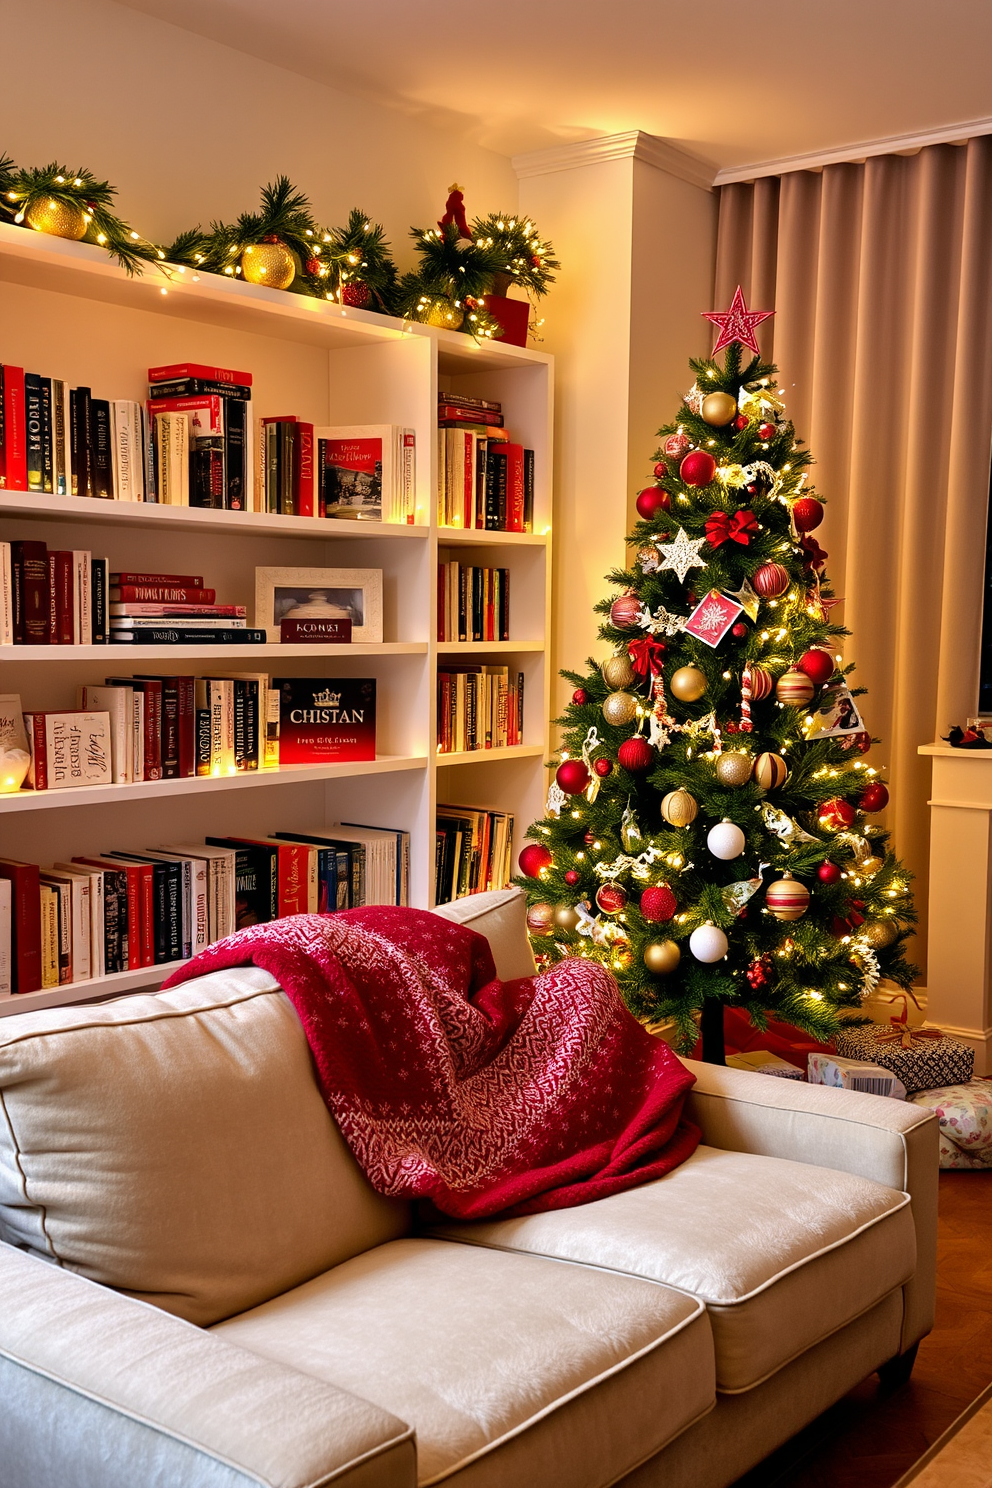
[[738, 323]]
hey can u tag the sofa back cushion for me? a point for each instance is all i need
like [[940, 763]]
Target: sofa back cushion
[[501, 916], [176, 1147]]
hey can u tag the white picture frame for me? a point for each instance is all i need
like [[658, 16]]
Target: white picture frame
[[352, 592]]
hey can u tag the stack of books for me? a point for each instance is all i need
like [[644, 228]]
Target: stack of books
[[472, 851], [485, 479], [52, 597], [62, 441], [473, 604], [199, 437], [160, 609], [116, 911], [478, 707], [366, 472]]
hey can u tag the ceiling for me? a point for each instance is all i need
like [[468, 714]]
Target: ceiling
[[731, 83]]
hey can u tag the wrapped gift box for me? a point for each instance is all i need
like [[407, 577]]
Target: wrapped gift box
[[964, 1115], [854, 1074], [760, 1062], [930, 1062]]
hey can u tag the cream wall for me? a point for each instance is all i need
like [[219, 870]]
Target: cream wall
[[189, 130]]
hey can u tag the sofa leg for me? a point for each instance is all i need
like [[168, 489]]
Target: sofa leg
[[896, 1372]]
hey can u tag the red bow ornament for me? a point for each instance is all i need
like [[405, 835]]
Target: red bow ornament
[[721, 528], [813, 555], [647, 656]]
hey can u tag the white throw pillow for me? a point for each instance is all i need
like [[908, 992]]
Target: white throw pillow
[[502, 918]]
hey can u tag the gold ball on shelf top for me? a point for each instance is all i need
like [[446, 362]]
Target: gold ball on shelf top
[[733, 768], [719, 408], [688, 684], [617, 671], [662, 957], [879, 933], [566, 917], [268, 263], [620, 708], [441, 313], [679, 808], [60, 219]]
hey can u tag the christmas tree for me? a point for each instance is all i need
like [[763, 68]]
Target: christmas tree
[[710, 835]]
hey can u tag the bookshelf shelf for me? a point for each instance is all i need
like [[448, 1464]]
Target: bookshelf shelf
[[478, 648], [114, 656], [117, 984], [478, 537], [491, 756]]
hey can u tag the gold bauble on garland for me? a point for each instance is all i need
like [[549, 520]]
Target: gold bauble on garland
[[58, 218], [733, 768], [719, 408], [688, 684], [879, 933], [679, 808], [620, 708], [566, 917], [268, 263], [870, 866], [617, 671], [662, 957], [448, 317]]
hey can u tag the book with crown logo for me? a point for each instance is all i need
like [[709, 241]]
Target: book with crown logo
[[325, 719]]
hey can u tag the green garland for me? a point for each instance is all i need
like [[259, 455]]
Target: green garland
[[80, 202], [525, 258], [359, 268]]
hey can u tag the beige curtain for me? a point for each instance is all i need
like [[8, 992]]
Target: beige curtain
[[881, 277]]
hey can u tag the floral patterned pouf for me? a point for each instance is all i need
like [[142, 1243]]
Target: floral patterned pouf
[[964, 1114]]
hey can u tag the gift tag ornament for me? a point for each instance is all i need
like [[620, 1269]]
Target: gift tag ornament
[[688, 684], [725, 840], [534, 858], [708, 943], [679, 808], [794, 688], [662, 957], [770, 771], [787, 898], [658, 903]]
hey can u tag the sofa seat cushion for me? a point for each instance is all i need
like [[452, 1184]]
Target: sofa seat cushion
[[511, 1368], [781, 1253]]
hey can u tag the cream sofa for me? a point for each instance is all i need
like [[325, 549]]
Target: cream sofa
[[198, 1287]]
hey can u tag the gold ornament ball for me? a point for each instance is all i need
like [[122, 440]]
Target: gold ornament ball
[[566, 918], [688, 684], [879, 933], [539, 918], [719, 408], [870, 866], [733, 768], [60, 219], [617, 671], [448, 317], [662, 957], [620, 708], [679, 808], [770, 771], [268, 263]]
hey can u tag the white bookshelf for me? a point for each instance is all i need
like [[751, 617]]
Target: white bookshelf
[[67, 311]]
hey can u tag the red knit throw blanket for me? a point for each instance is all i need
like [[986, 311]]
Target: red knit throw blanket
[[484, 1097]]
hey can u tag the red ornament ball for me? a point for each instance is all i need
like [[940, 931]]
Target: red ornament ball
[[677, 445], [658, 903], [698, 468], [589, 838], [533, 858], [660, 469], [635, 755], [837, 813], [766, 430], [771, 580], [357, 295], [740, 423], [828, 872], [807, 514], [817, 664], [572, 876], [573, 776], [611, 898], [739, 631], [625, 611], [602, 767], [313, 265], [874, 797], [580, 697], [651, 501]]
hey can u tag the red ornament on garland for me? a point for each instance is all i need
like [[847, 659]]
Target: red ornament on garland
[[356, 295], [572, 876], [837, 813], [580, 697], [313, 265], [625, 611], [874, 797], [602, 767], [766, 431], [573, 776], [611, 898], [771, 580], [828, 872], [697, 469], [635, 755], [658, 903], [588, 838], [651, 501], [676, 446], [534, 857], [817, 664], [807, 513], [862, 742]]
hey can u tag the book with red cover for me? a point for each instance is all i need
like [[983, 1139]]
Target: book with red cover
[[140, 892], [198, 369], [182, 723], [61, 607], [151, 693], [25, 923], [167, 611], [456, 410], [324, 719], [15, 444], [514, 487], [171, 581], [32, 593], [294, 873], [303, 484], [160, 594]]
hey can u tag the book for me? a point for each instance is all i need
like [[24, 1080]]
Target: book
[[456, 409], [6, 940], [61, 439], [113, 879], [169, 581], [61, 605], [395, 861], [99, 589], [127, 437], [71, 748], [94, 878], [6, 594], [80, 442], [466, 402], [33, 428], [179, 370], [135, 891], [296, 874], [178, 724], [139, 610], [49, 915], [171, 442], [206, 619], [303, 471], [15, 451], [116, 702], [31, 593], [326, 719], [220, 866], [25, 923], [350, 862], [256, 892], [82, 597], [148, 724], [198, 387], [80, 918], [101, 450], [160, 593], [189, 636], [360, 472]]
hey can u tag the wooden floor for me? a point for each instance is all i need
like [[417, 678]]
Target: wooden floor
[[870, 1438]]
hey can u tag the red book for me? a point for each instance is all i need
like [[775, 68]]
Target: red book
[[138, 895], [206, 414], [514, 487], [61, 608], [160, 594], [303, 472], [455, 410], [32, 593], [198, 369], [15, 447], [38, 743], [185, 723], [294, 873], [468, 481], [25, 923], [177, 581]]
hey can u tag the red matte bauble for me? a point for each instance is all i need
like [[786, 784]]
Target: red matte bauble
[[677, 445], [573, 776], [874, 797], [358, 295], [837, 813], [698, 468], [602, 767], [651, 501], [572, 876], [740, 423], [635, 755], [807, 514], [611, 898], [766, 431], [313, 266], [533, 858], [739, 631], [770, 580], [828, 872], [818, 665], [660, 469], [625, 611], [658, 903]]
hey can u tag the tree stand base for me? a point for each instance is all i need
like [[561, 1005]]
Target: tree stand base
[[896, 1372]]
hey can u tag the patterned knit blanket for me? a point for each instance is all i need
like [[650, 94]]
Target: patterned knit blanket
[[484, 1097]]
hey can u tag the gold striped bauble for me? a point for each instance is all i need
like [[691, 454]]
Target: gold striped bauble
[[770, 771], [679, 808], [794, 688], [761, 681], [787, 898], [617, 671]]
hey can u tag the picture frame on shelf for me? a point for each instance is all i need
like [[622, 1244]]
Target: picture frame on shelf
[[353, 594]]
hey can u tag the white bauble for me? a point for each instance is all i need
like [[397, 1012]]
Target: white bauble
[[708, 943], [725, 840]]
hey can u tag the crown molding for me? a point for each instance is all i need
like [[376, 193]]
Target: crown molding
[[892, 144], [633, 144]]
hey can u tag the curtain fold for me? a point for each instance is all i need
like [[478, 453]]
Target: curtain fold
[[881, 277]]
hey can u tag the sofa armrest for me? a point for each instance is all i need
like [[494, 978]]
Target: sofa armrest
[[889, 1141], [98, 1390]]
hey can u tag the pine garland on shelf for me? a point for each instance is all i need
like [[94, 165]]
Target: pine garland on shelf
[[272, 246], [525, 257], [359, 265], [453, 273], [72, 204]]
